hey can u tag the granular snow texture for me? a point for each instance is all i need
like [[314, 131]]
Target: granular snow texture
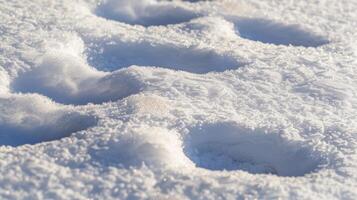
[[149, 99]]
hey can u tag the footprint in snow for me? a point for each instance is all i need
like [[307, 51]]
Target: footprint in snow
[[272, 32], [145, 12], [227, 146], [68, 77]]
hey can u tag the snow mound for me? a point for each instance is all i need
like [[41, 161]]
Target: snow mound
[[271, 32], [64, 76], [226, 146], [31, 119], [151, 146], [210, 27], [118, 54], [145, 12]]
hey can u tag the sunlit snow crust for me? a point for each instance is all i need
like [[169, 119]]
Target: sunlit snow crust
[[147, 99]]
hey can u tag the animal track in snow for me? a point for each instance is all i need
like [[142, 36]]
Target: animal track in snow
[[267, 31], [145, 12], [226, 146], [116, 54], [31, 119]]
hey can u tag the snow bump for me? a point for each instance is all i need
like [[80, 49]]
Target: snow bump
[[150, 146], [64, 76], [32, 119], [227, 146]]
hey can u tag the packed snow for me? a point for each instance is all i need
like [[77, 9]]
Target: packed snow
[[154, 99]]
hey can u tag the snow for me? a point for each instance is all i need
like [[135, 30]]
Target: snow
[[250, 150], [267, 31], [64, 75], [28, 119], [145, 12], [117, 54], [147, 99]]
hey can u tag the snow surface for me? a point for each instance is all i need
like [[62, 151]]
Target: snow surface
[[147, 99]]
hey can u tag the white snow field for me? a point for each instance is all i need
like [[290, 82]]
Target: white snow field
[[149, 99]]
